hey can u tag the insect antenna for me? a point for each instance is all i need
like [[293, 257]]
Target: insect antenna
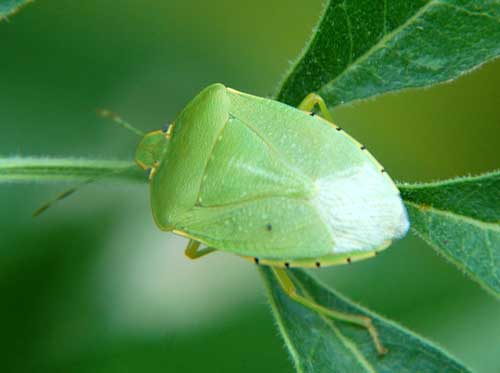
[[73, 189], [104, 113]]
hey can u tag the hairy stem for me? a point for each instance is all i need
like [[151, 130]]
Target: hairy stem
[[43, 170]]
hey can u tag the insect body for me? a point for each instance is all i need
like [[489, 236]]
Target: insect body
[[272, 183]]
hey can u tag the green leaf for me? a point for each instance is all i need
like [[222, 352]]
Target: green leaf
[[9, 7], [363, 48], [318, 344], [460, 218], [34, 170]]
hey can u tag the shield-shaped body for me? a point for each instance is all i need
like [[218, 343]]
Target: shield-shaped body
[[258, 178]]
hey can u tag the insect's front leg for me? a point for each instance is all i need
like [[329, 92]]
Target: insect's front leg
[[311, 100], [288, 287], [192, 250]]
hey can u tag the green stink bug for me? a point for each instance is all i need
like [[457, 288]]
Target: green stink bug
[[271, 183]]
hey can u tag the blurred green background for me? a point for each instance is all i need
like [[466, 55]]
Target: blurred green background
[[93, 286]]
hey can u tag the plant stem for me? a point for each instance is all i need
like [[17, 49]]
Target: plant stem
[[43, 170]]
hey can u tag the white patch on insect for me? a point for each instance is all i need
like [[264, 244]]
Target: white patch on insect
[[362, 209]]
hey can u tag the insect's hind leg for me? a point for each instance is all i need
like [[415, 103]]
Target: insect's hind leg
[[192, 250], [289, 288], [311, 100]]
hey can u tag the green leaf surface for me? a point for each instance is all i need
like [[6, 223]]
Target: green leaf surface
[[9, 7], [32, 170], [460, 218], [363, 48], [318, 344]]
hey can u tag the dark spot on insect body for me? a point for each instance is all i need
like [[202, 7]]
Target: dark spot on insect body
[[287, 265], [318, 264], [148, 172], [338, 129], [256, 260], [269, 227], [382, 170], [312, 114], [363, 147], [349, 260]]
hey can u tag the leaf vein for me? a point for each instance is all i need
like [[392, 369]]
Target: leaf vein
[[380, 44], [468, 11], [349, 31], [479, 223], [345, 340]]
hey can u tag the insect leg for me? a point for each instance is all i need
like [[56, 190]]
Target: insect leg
[[289, 288], [192, 251], [311, 100]]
